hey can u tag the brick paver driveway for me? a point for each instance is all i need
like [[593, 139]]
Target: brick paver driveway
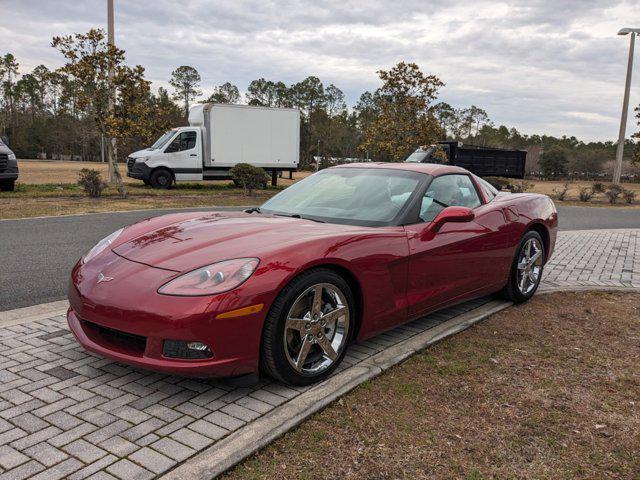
[[65, 413]]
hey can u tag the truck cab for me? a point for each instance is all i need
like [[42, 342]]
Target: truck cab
[[175, 156], [8, 166]]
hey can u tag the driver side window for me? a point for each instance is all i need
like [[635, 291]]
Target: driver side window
[[448, 191], [184, 141]]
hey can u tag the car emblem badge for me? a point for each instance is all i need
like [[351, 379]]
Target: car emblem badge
[[103, 278]]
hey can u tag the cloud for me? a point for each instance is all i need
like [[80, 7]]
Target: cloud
[[543, 66]]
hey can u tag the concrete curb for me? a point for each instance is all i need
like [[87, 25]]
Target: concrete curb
[[243, 443], [195, 209], [543, 290], [33, 313]]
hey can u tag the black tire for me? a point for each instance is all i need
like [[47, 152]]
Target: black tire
[[161, 178], [146, 182], [7, 185], [513, 291], [274, 360]]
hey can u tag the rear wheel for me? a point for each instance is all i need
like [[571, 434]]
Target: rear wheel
[[308, 328], [161, 178], [526, 269]]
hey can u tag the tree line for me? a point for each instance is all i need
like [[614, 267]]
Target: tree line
[[65, 113]]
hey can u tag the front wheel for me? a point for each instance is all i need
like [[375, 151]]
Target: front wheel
[[308, 328], [161, 178], [7, 185], [526, 269]]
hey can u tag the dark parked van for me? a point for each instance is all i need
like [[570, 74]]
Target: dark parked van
[[8, 167], [483, 161]]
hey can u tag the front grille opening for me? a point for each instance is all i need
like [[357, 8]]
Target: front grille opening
[[111, 338]]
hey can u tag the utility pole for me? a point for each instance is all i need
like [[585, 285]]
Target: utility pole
[[617, 173], [114, 174]]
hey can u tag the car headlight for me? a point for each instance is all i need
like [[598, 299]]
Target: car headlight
[[212, 279], [101, 245], [142, 159], [12, 156]]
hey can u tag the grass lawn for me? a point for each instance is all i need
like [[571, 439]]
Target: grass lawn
[[547, 187], [549, 389], [49, 188]]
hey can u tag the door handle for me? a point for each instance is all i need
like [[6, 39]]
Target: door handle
[[193, 155]]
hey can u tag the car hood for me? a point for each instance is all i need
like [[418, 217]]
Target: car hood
[[204, 239], [147, 152]]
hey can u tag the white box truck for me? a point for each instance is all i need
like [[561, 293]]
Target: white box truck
[[218, 137]]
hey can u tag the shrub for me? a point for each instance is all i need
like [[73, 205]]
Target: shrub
[[586, 194], [613, 193], [498, 182], [561, 193], [521, 187], [248, 177], [598, 187], [628, 195], [91, 181]]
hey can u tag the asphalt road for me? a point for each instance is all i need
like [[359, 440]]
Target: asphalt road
[[37, 254]]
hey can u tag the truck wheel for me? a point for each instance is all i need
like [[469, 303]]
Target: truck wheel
[[146, 182], [8, 185], [161, 179]]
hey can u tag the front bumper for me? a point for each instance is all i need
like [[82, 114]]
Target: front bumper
[[138, 170], [127, 320], [151, 356]]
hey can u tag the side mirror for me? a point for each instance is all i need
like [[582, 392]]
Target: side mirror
[[449, 214]]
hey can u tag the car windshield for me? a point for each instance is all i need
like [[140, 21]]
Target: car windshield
[[162, 141], [353, 196]]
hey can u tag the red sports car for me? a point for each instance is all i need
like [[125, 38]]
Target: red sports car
[[341, 256]]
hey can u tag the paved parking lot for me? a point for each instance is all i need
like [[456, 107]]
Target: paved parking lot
[[65, 413]]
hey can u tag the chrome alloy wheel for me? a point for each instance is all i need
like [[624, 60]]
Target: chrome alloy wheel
[[316, 329], [529, 266]]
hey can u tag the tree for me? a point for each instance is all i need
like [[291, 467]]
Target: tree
[[405, 118], [98, 72], [553, 162], [225, 93], [262, 93], [8, 73], [186, 81]]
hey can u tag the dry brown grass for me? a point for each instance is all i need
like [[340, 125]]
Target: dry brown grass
[[549, 389], [39, 207], [42, 172], [547, 187]]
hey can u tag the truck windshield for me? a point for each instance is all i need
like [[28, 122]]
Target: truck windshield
[[421, 155], [162, 141], [352, 196]]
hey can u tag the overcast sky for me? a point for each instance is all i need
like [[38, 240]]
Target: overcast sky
[[542, 66]]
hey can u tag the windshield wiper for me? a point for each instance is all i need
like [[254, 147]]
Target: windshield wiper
[[253, 209], [297, 215]]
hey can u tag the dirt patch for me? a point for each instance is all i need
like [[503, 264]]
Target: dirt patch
[[549, 389]]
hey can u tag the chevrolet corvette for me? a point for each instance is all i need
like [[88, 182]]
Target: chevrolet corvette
[[338, 257]]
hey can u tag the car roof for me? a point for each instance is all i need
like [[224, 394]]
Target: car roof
[[433, 169]]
